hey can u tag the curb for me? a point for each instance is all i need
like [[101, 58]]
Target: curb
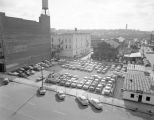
[[51, 89]]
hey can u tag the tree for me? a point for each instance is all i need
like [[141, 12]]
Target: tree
[[105, 51]]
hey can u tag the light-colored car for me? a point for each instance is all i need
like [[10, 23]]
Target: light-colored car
[[61, 94], [83, 100], [42, 91], [107, 91], [96, 103]]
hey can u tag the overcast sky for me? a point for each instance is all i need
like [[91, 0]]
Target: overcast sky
[[87, 14]]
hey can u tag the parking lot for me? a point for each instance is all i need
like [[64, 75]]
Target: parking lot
[[91, 76], [95, 77]]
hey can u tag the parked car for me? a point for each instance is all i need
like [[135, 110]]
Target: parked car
[[99, 90], [79, 85], [96, 103], [73, 85], [6, 81], [61, 95], [107, 91], [83, 100], [42, 91], [92, 88], [85, 87], [68, 84]]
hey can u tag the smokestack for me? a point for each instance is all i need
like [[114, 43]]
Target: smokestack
[[76, 29], [126, 26]]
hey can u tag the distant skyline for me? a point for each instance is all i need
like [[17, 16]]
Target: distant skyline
[[87, 14]]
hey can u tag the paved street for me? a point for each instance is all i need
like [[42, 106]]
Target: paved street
[[20, 102]]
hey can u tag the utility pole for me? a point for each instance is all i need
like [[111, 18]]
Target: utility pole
[[42, 76]]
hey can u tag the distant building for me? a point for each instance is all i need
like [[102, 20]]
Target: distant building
[[139, 88], [121, 39], [95, 40], [23, 42], [73, 44]]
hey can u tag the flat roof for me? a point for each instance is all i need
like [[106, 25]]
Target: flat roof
[[136, 81], [72, 33], [138, 54]]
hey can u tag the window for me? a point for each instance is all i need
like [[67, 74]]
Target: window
[[0, 45], [132, 95], [66, 46], [147, 98], [52, 40], [70, 46]]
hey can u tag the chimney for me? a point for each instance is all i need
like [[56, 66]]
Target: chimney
[[126, 26], [76, 29]]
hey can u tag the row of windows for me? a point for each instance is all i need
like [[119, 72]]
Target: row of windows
[[63, 40], [66, 47], [132, 96]]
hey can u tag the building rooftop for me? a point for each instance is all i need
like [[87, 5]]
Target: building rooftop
[[136, 67], [138, 54], [71, 33], [136, 81]]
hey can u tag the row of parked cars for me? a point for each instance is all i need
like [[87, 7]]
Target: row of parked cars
[[81, 99], [89, 66], [31, 69], [94, 83], [82, 65], [102, 68]]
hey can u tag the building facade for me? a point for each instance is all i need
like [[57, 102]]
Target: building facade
[[23, 42], [71, 44]]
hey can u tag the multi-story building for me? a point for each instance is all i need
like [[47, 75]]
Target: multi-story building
[[23, 42], [95, 40], [74, 44]]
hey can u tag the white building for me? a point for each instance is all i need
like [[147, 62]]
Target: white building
[[73, 44], [121, 39], [137, 87]]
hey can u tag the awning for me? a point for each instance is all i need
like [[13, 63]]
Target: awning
[[133, 55]]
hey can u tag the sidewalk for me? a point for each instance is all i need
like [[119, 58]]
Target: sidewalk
[[143, 108]]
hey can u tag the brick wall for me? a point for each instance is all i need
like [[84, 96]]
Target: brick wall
[[26, 41]]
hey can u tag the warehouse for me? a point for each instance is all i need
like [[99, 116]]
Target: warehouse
[[138, 87], [23, 42]]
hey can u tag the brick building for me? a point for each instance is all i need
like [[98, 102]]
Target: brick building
[[23, 42]]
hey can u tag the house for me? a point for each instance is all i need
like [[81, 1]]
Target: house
[[139, 88]]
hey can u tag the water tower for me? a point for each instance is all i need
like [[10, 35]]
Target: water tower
[[44, 19], [45, 6]]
